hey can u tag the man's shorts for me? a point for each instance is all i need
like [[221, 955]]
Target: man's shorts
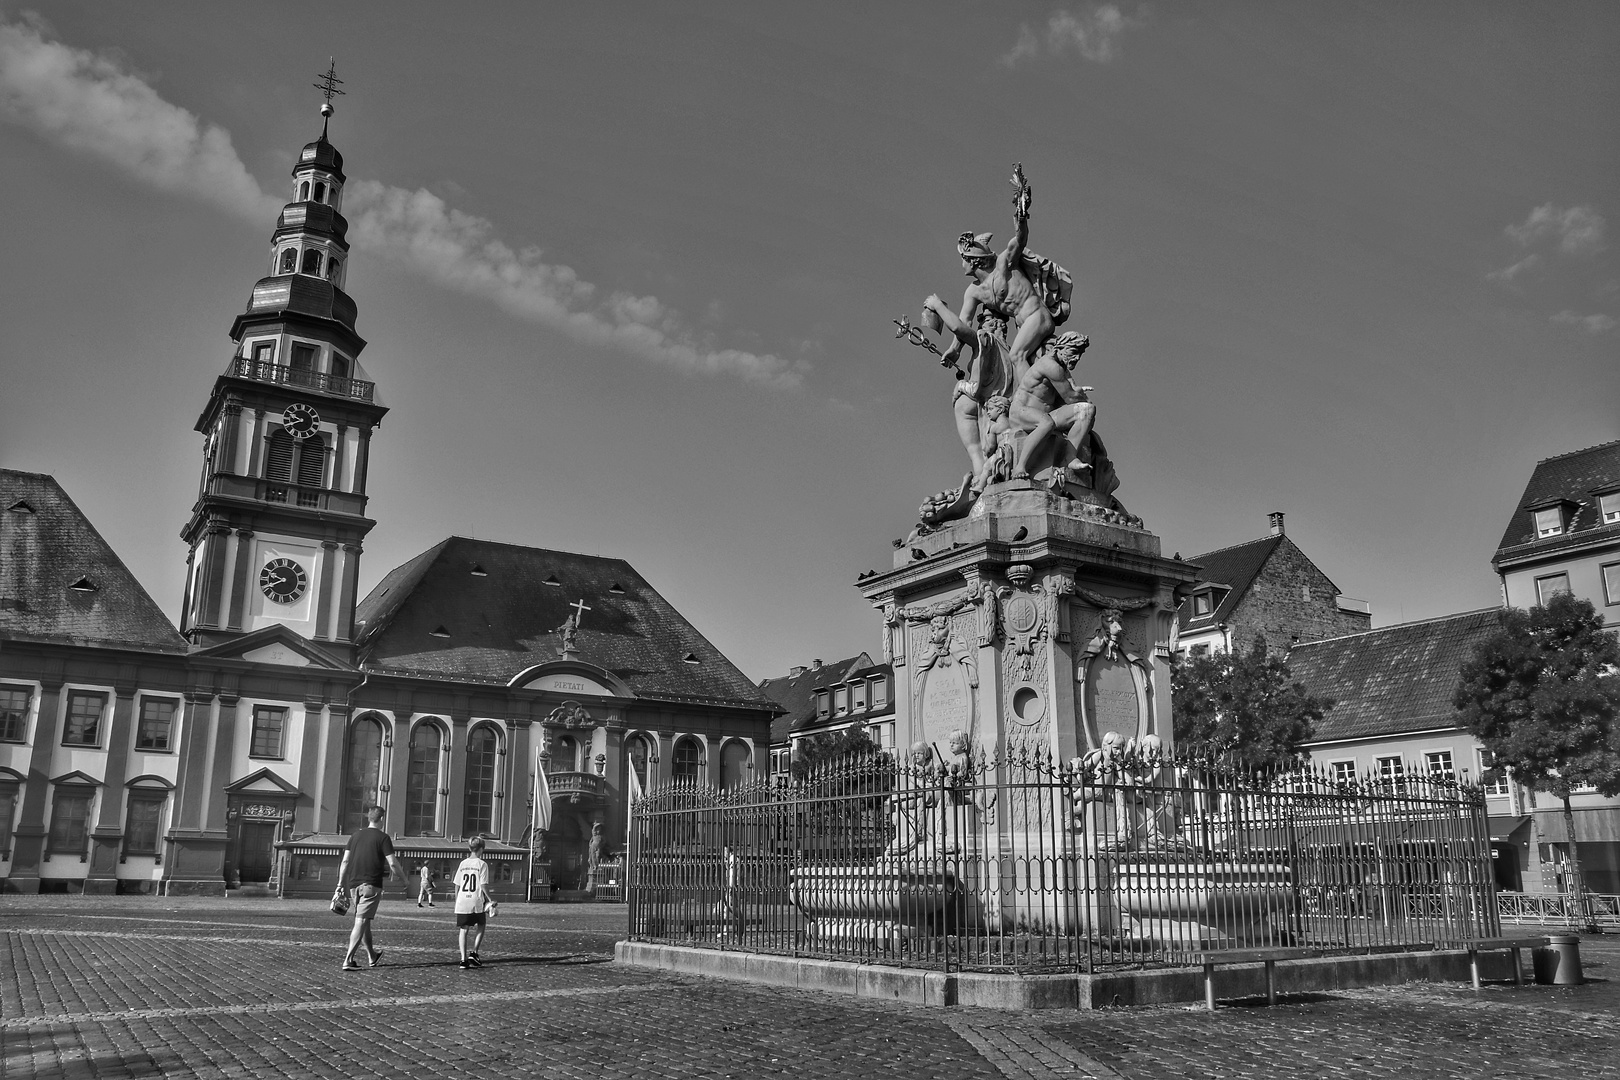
[[469, 918], [366, 899]]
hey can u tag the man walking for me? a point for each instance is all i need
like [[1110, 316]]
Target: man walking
[[369, 856]]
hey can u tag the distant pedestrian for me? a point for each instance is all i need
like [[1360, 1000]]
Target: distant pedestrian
[[370, 855], [424, 893], [474, 904]]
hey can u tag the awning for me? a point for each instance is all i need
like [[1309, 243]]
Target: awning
[[1503, 826]]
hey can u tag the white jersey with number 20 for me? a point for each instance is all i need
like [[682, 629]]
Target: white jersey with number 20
[[472, 882]]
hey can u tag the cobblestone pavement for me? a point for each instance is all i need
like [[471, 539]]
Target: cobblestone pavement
[[145, 987]]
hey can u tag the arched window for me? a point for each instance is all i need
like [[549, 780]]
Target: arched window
[[289, 260], [360, 779], [564, 754], [734, 764], [332, 266], [639, 756], [303, 191], [312, 261], [478, 815], [320, 192], [687, 758], [422, 782]]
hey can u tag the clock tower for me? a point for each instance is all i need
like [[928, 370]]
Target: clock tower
[[276, 533]]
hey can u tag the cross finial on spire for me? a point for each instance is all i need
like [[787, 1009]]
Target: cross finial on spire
[[328, 86]]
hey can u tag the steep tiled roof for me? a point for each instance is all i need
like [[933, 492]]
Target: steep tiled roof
[[47, 547], [505, 618], [1235, 567], [1577, 477], [1394, 679], [795, 693]]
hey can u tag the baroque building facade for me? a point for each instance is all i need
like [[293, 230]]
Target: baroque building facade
[[240, 749]]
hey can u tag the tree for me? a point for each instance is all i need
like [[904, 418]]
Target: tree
[[818, 750], [1543, 695], [1245, 708]]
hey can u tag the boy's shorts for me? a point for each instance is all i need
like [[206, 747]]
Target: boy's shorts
[[469, 918], [366, 899]]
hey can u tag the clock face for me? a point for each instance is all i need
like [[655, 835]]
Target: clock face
[[300, 420], [283, 581]]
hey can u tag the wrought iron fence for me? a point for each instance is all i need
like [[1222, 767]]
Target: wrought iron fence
[[1022, 863]]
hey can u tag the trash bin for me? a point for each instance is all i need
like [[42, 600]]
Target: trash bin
[[1558, 963]]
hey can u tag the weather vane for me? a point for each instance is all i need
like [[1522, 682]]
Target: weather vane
[[329, 87]]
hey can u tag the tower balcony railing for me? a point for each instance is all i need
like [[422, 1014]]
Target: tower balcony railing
[[287, 493], [245, 367]]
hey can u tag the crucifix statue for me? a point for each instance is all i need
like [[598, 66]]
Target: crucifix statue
[[571, 624]]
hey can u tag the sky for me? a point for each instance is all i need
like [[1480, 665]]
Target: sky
[[627, 271]]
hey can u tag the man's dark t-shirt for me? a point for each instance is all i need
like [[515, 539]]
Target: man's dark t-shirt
[[368, 856]]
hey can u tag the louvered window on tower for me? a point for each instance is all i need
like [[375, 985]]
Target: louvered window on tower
[[311, 469], [278, 465]]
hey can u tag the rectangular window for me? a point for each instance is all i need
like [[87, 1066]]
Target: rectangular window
[[14, 702], [1391, 768], [857, 696], [1202, 604], [264, 352], [823, 703], [1550, 586], [1609, 507], [1611, 583], [1440, 766], [841, 701], [84, 718], [157, 724], [1550, 522], [1497, 784], [1200, 650], [880, 691], [141, 830], [70, 822], [1344, 772], [269, 726]]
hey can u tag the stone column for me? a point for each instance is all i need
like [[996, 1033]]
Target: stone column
[[220, 773], [211, 582], [323, 602], [316, 723], [518, 808], [351, 574], [108, 834], [239, 582], [397, 744], [193, 864], [328, 790], [28, 843], [458, 775]]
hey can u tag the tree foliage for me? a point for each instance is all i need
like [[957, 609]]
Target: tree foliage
[[1543, 695], [1246, 707], [848, 743]]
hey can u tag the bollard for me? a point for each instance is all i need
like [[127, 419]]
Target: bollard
[[1558, 963]]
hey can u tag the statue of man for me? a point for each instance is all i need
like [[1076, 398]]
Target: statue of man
[[1036, 404], [1003, 284]]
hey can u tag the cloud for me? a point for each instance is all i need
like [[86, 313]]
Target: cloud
[[1577, 230], [94, 106], [1508, 273], [89, 104], [1092, 35], [1592, 324]]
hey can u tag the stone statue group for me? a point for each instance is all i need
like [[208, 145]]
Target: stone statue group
[[1019, 411]]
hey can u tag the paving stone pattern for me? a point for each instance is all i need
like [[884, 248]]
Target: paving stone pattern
[[148, 987]]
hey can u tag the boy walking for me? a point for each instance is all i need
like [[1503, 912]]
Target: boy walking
[[424, 894], [473, 902]]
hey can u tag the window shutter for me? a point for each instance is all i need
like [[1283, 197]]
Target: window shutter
[[278, 461], [311, 462]]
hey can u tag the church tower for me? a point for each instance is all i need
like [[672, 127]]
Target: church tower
[[276, 532]]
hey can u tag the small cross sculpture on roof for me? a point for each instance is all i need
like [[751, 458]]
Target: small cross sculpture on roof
[[571, 624], [579, 609]]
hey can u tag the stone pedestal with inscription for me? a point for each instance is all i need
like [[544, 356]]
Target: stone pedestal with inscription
[[1040, 624]]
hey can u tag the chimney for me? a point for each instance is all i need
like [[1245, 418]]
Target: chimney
[[1276, 523], [795, 671], [815, 665]]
